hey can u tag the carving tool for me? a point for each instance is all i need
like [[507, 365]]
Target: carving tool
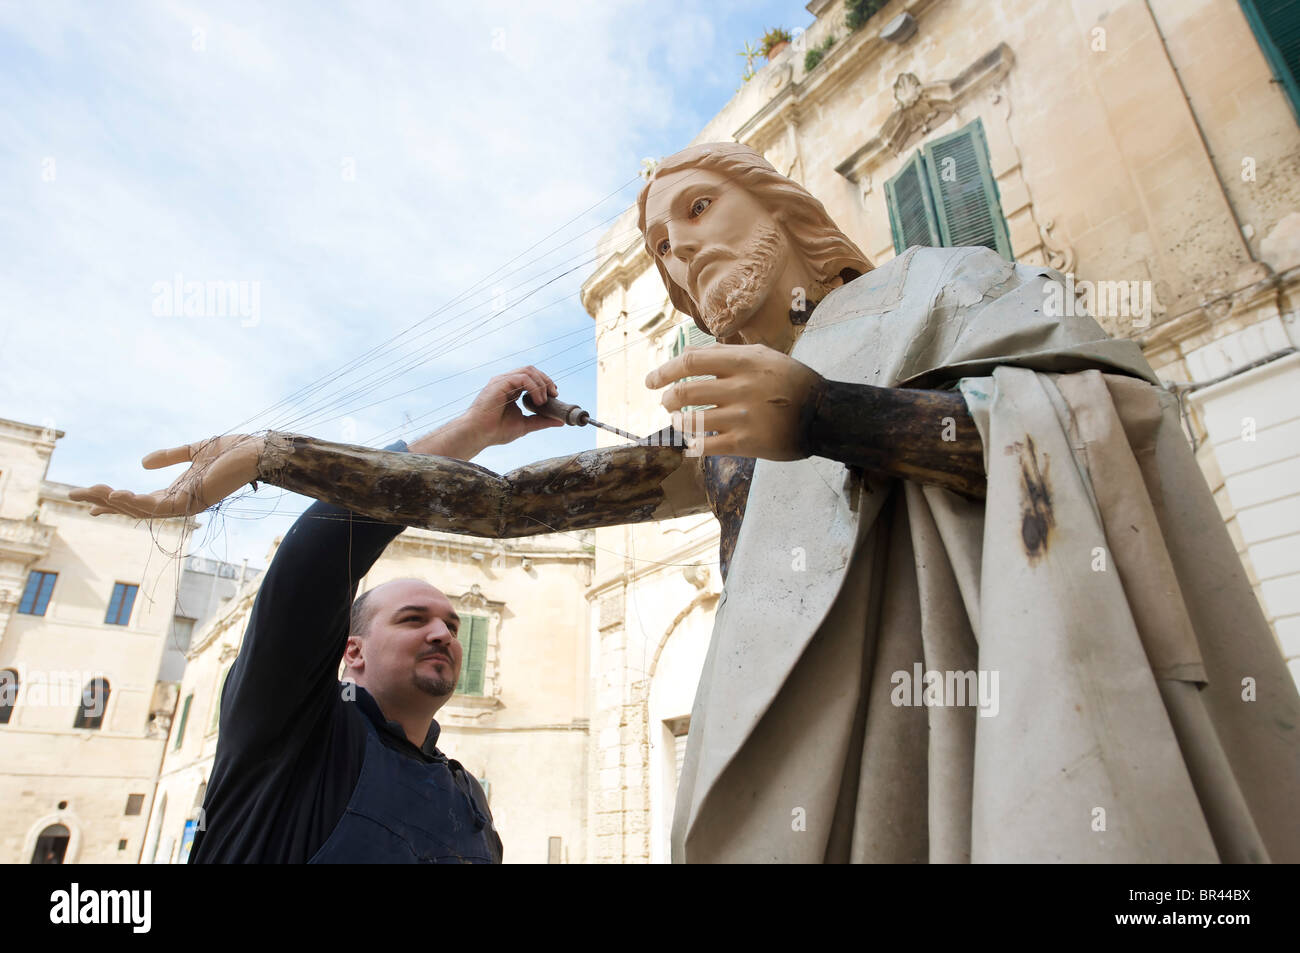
[[573, 415]]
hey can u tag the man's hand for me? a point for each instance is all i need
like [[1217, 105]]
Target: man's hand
[[495, 415], [759, 394], [218, 467]]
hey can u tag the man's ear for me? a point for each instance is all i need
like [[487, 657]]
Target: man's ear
[[353, 656]]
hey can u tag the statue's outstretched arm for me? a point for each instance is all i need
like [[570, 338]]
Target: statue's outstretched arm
[[608, 486]]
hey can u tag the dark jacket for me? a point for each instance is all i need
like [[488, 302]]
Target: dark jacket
[[308, 768]]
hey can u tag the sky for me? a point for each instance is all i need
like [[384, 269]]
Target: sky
[[380, 205]]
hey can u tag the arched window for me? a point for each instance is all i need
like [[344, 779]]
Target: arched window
[[8, 694], [51, 845], [94, 702]]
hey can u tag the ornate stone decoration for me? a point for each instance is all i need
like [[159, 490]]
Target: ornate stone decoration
[[907, 90], [1060, 255], [921, 107]]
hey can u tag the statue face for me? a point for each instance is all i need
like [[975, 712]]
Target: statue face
[[718, 243]]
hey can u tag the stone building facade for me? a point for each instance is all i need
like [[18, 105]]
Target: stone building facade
[[519, 724], [85, 610], [1146, 149]]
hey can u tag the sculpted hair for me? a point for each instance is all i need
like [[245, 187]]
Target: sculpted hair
[[814, 235]]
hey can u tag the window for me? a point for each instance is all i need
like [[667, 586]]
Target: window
[[51, 845], [134, 803], [121, 845], [119, 607], [554, 851], [221, 691], [945, 196], [36, 596], [473, 666], [1276, 24], [185, 716], [94, 702], [8, 694], [689, 335]]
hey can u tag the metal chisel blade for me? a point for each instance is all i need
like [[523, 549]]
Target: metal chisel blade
[[622, 433]]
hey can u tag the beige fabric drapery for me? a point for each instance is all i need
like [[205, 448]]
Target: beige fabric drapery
[[1136, 707]]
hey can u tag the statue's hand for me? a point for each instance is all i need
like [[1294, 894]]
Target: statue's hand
[[494, 416], [759, 395], [218, 467]]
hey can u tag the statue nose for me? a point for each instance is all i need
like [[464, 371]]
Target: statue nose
[[683, 247]]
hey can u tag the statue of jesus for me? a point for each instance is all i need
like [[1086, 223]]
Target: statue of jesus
[[979, 603]]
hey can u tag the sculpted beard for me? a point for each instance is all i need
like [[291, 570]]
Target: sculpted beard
[[740, 293]]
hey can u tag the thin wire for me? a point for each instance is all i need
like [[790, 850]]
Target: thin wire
[[725, 186], [487, 277]]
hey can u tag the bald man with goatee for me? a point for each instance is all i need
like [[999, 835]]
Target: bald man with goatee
[[313, 770]]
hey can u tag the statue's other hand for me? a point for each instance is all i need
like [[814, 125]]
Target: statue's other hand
[[758, 396], [495, 416], [218, 467]]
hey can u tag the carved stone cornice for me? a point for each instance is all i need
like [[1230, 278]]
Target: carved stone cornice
[[1196, 326], [851, 55], [617, 270], [24, 540]]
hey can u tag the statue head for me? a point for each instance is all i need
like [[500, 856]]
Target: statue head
[[724, 227]]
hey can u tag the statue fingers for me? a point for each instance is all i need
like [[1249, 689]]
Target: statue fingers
[[131, 504], [706, 392], [167, 458], [715, 419], [97, 494]]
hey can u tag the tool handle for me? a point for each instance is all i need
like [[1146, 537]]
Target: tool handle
[[570, 413]]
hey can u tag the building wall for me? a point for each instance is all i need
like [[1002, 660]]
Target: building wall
[[44, 760], [1130, 141], [526, 736]]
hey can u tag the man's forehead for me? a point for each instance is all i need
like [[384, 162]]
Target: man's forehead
[[403, 592], [665, 189]]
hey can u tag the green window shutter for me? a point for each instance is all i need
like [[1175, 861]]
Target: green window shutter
[[679, 342], [697, 338], [221, 691], [185, 717], [965, 193], [689, 335], [473, 665], [911, 211], [1276, 25]]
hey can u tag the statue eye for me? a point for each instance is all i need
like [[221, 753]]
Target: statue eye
[[699, 205], [662, 248]]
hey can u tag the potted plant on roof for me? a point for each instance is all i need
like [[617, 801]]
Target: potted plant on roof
[[774, 41]]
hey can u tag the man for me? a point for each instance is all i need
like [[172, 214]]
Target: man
[[311, 770], [979, 603]]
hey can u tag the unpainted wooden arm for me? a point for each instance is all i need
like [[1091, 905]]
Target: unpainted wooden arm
[[920, 435], [608, 486]]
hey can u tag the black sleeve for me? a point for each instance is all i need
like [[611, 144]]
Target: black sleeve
[[286, 675]]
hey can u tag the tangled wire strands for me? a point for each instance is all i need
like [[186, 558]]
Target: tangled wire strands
[[378, 351]]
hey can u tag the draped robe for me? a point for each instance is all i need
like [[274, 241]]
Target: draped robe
[[1137, 708]]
